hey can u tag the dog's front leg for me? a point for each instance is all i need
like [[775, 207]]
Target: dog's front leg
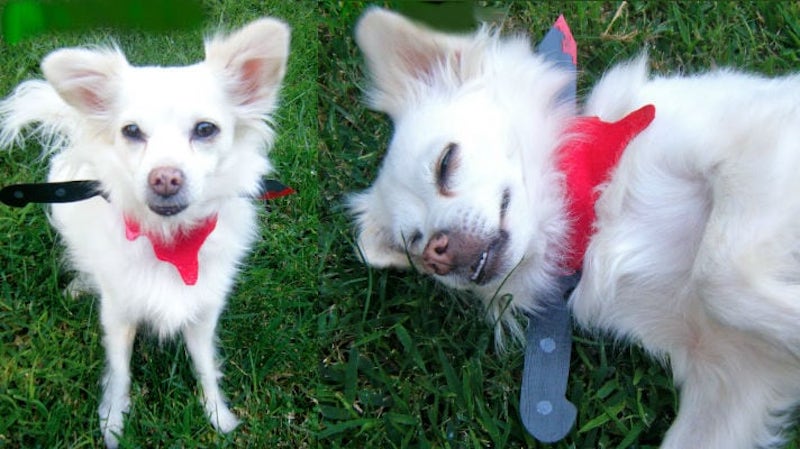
[[199, 337], [118, 342]]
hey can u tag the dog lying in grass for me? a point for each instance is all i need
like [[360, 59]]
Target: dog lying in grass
[[694, 248], [177, 151]]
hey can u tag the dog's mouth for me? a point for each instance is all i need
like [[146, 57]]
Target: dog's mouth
[[488, 264], [167, 210], [478, 269]]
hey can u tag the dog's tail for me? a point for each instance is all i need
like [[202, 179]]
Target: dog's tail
[[615, 95], [35, 109]]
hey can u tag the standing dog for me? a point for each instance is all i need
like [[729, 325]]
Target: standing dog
[[695, 250], [176, 150]]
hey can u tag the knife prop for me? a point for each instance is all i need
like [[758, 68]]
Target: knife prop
[[546, 413]]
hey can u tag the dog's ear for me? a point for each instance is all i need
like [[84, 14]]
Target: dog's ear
[[86, 79], [400, 53], [374, 242], [252, 62]]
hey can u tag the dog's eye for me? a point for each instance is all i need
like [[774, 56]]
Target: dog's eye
[[504, 202], [447, 163], [133, 132], [204, 130], [415, 238]]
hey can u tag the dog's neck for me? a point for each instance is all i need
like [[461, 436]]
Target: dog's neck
[[182, 251], [587, 158]]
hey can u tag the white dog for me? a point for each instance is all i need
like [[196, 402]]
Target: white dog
[[695, 252], [177, 151]]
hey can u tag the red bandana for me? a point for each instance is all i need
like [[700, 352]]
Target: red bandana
[[182, 251], [274, 189], [586, 160]]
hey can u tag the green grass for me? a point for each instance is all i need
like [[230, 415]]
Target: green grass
[[321, 351]]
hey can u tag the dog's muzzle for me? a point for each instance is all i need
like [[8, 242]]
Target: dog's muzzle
[[474, 258], [166, 195]]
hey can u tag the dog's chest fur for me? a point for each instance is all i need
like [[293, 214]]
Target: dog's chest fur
[[138, 284]]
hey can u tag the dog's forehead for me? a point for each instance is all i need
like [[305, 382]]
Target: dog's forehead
[[468, 115], [173, 76], [476, 124], [485, 156], [192, 87], [194, 80]]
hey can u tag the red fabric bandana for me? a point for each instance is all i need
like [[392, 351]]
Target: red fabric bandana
[[586, 160], [273, 189], [182, 251]]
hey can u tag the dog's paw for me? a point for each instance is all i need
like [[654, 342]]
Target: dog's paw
[[110, 437], [112, 430], [111, 420], [222, 418]]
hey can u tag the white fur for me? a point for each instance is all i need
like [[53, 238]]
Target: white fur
[[78, 112], [696, 254], [697, 244]]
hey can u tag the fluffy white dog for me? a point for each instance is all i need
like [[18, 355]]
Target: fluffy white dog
[[177, 151], [695, 252]]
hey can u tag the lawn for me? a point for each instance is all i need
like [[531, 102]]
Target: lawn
[[319, 350]]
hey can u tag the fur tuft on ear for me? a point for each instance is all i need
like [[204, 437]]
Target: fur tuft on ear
[[252, 61], [375, 245], [86, 79], [400, 53]]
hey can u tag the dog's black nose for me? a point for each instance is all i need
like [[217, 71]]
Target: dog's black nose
[[166, 181]]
